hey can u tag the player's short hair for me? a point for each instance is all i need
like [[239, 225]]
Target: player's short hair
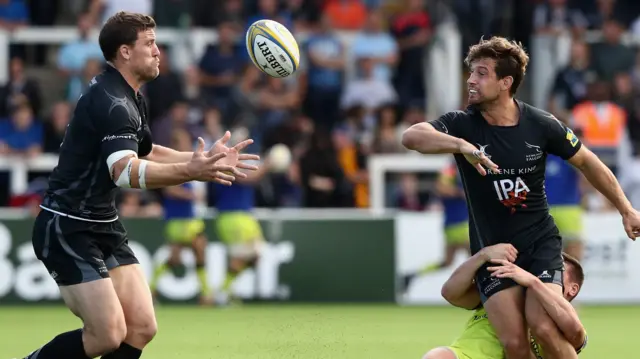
[[510, 56], [575, 271], [122, 29]]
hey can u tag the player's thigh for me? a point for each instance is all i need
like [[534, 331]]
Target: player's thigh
[[442, 353], [135, 298], [457, 235], [505, 310]]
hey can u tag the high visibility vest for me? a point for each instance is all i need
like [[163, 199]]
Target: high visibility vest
[[602, 125]]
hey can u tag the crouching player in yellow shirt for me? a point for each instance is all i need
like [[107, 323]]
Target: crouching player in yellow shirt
[[479, 340]]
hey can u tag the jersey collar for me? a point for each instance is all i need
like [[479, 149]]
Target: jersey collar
[[130, 91]]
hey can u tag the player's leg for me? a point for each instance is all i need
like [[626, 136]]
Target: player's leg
[[568, 219], [441, 353], [73, 260], [135, 298], [173, 234], [547, 265], [199, 247], [504, 302]]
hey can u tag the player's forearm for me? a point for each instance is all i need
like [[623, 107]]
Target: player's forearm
[[459, 289], [603, 180], [425, 139], [159, 175], [161, 154], [561, 312]]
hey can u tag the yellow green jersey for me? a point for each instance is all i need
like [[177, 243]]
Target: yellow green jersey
[[480, 341]]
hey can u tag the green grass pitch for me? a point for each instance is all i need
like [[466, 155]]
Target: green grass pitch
[[305, 331]]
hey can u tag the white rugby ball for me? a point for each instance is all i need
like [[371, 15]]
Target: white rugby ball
[[272, 48], [279, 158]]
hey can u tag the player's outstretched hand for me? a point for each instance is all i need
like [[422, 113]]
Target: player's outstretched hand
[[506, 269], [477, 158], [210, 169], [502, 251], [631, 222], [237, 158]]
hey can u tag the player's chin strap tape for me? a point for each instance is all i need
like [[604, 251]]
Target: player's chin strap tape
[[135, 166]]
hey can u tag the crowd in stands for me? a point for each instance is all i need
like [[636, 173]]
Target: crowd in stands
[[343, 105]]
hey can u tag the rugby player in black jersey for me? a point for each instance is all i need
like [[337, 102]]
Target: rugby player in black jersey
[[77, 235], [500, 145]]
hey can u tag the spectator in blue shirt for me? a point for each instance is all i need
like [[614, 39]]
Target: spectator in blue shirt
[[22, 134], [378, 45], [268, 9], [13, 14], [74, 55]]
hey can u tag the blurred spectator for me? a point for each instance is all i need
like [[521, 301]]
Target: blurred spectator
[[604, 10], [22, 135], [408, 197], [412, 30], [326, 58], [165, 90], [628, 98], [346, 14], [270, 9], [172, 13], [92, 68], [73, 57], [55, 128], [353, 141], [212, 125], [101, 10], [221, 66], [176, 118], [611, 56], [386, 138], [18, 89], [376, 44], [367, 90], [601, 122], [277, 98], [137, 203], [322, 180], [570, 85], [13, 14], [555, 17]]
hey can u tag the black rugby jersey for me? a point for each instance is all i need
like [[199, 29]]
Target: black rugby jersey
[[509, 205], [109, 117]]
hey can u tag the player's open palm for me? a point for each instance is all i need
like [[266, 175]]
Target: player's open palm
[[210, 168], [500, 251], [631, 222], [234, 157], [477, 158]]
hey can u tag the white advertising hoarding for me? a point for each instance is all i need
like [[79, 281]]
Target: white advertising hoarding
[[611, 261]]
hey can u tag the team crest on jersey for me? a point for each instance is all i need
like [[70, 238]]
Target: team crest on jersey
[[535, 155], [572, 138]]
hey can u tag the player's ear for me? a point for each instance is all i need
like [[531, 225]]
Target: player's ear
[[125, 52], [574, 288], [505, 83]]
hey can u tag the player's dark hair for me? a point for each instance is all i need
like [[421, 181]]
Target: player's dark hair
[[576, 272], [122, 29], [510, 56]]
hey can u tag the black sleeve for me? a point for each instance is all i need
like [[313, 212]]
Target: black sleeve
[[561, 140], [146, 145], [449, 123], [116, 129]]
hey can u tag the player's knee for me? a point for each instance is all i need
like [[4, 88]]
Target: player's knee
[[142, 331], [516, 347], [439, 353], [105, 337]]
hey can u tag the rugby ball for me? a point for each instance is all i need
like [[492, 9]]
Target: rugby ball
[[272, 48]]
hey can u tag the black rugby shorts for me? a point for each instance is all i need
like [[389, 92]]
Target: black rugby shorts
[[76, 251], [542, 259]]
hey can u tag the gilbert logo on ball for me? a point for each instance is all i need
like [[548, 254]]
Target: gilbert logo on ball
[[272, 48]]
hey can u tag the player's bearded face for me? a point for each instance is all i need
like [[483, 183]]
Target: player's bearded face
[[146, 56], [483, 85]]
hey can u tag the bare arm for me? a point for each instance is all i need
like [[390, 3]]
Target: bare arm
[[161, 154], [602, 179], [157, 175], [459, 290], [562, 313], [424, 138]]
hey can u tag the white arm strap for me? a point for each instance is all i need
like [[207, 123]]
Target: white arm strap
[[124, 180]]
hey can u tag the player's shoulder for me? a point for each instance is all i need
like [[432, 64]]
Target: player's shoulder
[[537, 115]]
